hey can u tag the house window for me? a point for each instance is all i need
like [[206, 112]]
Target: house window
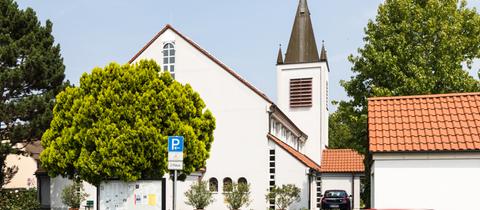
[[301, 92], [213, 184], [274, 126], [169, 58], [242, 180], [227, 184]]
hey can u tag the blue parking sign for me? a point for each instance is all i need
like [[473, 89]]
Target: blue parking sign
[[175, 143]]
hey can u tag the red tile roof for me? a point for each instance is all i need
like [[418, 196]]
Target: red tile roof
[[442, 122], [299, 156], [342, 161]]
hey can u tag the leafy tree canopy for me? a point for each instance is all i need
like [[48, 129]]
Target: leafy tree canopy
[[412, 47], [31, 74], [116, 124]]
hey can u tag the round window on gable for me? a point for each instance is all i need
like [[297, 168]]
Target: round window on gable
[[227, 184], [213, 184]]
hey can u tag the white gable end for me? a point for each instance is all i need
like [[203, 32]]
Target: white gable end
[[241, 115]]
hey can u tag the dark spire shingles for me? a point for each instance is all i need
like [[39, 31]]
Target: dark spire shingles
[[302, 47], [280, 56], [323, 53]]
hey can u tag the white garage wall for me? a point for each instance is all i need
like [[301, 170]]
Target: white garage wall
[[434, 183]]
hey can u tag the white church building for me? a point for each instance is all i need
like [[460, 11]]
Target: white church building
[[288, 135]]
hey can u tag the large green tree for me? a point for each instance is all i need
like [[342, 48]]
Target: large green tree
[[116, 123], [31, 74], [412, 47]]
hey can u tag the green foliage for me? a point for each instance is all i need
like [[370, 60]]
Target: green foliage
[[116, 125], [413, 47], [237, 195], [199, 196], [21, 199], [284, 196], [31, 74], [73, 195]]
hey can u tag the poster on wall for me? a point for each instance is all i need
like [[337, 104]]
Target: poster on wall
[[139, 195]]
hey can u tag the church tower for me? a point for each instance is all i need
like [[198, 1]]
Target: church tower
[[302, 84]]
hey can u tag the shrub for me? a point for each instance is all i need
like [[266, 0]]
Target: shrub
[[73, 195], [19, 199], [199, 196], [284, 196], [237, 195]]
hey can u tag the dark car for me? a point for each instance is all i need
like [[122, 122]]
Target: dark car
[[336, 199]]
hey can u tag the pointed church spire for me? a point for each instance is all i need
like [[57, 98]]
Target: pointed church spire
[[302, 47], [323, 53], [280, 56]]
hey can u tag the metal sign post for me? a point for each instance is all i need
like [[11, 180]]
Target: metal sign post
[[175, 161]]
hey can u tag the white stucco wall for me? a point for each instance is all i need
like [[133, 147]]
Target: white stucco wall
[[448, 181], [343, 181], [240, 146], [25, 176], [289, 170], [57, 184], [311, 120]]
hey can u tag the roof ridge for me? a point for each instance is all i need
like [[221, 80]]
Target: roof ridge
[[343, 149], [206, 53], [423, 96]]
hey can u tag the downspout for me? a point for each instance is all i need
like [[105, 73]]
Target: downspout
[[353, 191], [309, 189], [98, 196]]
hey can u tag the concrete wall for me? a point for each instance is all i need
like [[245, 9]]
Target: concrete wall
[[25, 176], [343, 181], [311, 120], [240, 146], [440, 181]]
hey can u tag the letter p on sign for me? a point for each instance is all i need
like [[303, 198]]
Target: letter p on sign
[[175, 143]]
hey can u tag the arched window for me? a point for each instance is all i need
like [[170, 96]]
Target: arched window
[[227, 184], [169, 58], [213, 184], [242, 180]]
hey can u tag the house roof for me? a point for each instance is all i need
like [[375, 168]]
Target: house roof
[[342, 161], [34, 149], [208, 55], [302, 47], [442, 122], [299, 156]]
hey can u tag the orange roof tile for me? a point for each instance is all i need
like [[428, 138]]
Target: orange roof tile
[[441, 122], [299, 156], [342, 161]]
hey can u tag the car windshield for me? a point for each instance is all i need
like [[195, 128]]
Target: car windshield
[[335, 194]]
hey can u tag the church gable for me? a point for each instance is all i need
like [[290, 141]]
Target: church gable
[[153, 50]]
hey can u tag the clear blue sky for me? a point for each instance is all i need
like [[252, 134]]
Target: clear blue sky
[[244, 34]]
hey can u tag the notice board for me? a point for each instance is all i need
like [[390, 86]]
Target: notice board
[[139, 195]]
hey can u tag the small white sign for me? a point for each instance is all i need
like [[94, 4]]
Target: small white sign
[[175, 165], [175, 156]]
